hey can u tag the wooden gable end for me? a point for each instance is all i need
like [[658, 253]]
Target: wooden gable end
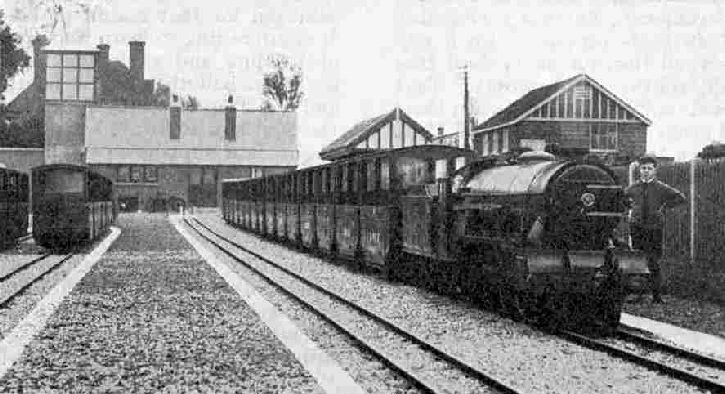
[[585, 101], [396, 133]]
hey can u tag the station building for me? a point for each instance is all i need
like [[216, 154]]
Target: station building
[[577, 114], [100, 113]]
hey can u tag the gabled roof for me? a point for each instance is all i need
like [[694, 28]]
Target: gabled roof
[[347, 142], [531, 101], [27, 100]]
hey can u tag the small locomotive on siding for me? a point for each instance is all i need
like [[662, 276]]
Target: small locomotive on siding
[[72, 205], [533, 237]]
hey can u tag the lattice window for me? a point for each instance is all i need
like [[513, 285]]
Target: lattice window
[[70, 77]]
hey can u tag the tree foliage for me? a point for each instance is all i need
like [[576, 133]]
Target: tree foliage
[[713, 150], [14, 58], [190, 102], [282, 86], [162, 95], [23, 133]]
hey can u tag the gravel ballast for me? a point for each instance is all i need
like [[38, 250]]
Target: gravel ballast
[[25, 302], [152, 316], [515, 353], [697, 315], [368, 371]]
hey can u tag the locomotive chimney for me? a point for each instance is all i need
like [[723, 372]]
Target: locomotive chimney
[[440, 131]]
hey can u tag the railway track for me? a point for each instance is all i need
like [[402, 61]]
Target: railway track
[[695, 369], [23, 266], [449, 371], [5, 299]]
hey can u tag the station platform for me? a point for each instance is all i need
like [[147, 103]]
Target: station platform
[[688, 339], [152, 314]]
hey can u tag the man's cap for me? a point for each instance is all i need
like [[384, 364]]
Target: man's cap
[[648, 158]]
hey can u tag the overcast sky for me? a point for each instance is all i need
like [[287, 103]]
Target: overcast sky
[[360, 59]]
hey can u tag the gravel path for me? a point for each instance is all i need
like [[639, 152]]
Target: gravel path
[[151, 316], [517, 354]]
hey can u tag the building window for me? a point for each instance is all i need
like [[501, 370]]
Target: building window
[[484, 144], [70, 76], [505, 140], [384, 174], [150, 174], [603, 136], [209, 176], [257, 172], [124, 174], [494, 143], [175, 123], [230, 124], [136, 174], [195, 176]]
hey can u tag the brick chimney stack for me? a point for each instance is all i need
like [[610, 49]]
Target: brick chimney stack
[[103, 53], [103, 50], [38, 59], [136, 59]]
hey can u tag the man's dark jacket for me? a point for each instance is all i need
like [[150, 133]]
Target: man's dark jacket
[[659, 196]]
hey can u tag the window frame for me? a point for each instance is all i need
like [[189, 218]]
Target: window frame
[[69, 75], [598, 127]]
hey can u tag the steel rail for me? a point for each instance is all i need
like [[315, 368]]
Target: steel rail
[[5, 301], [643, 340], [679, 374], [436, 351], [7, 275]]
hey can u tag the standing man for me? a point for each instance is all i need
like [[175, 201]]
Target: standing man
[[649, 199]]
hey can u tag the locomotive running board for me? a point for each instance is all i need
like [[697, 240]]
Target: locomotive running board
[[596, 186]]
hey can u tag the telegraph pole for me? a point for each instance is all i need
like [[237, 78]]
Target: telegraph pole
[[466, 114], [2, 93]]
